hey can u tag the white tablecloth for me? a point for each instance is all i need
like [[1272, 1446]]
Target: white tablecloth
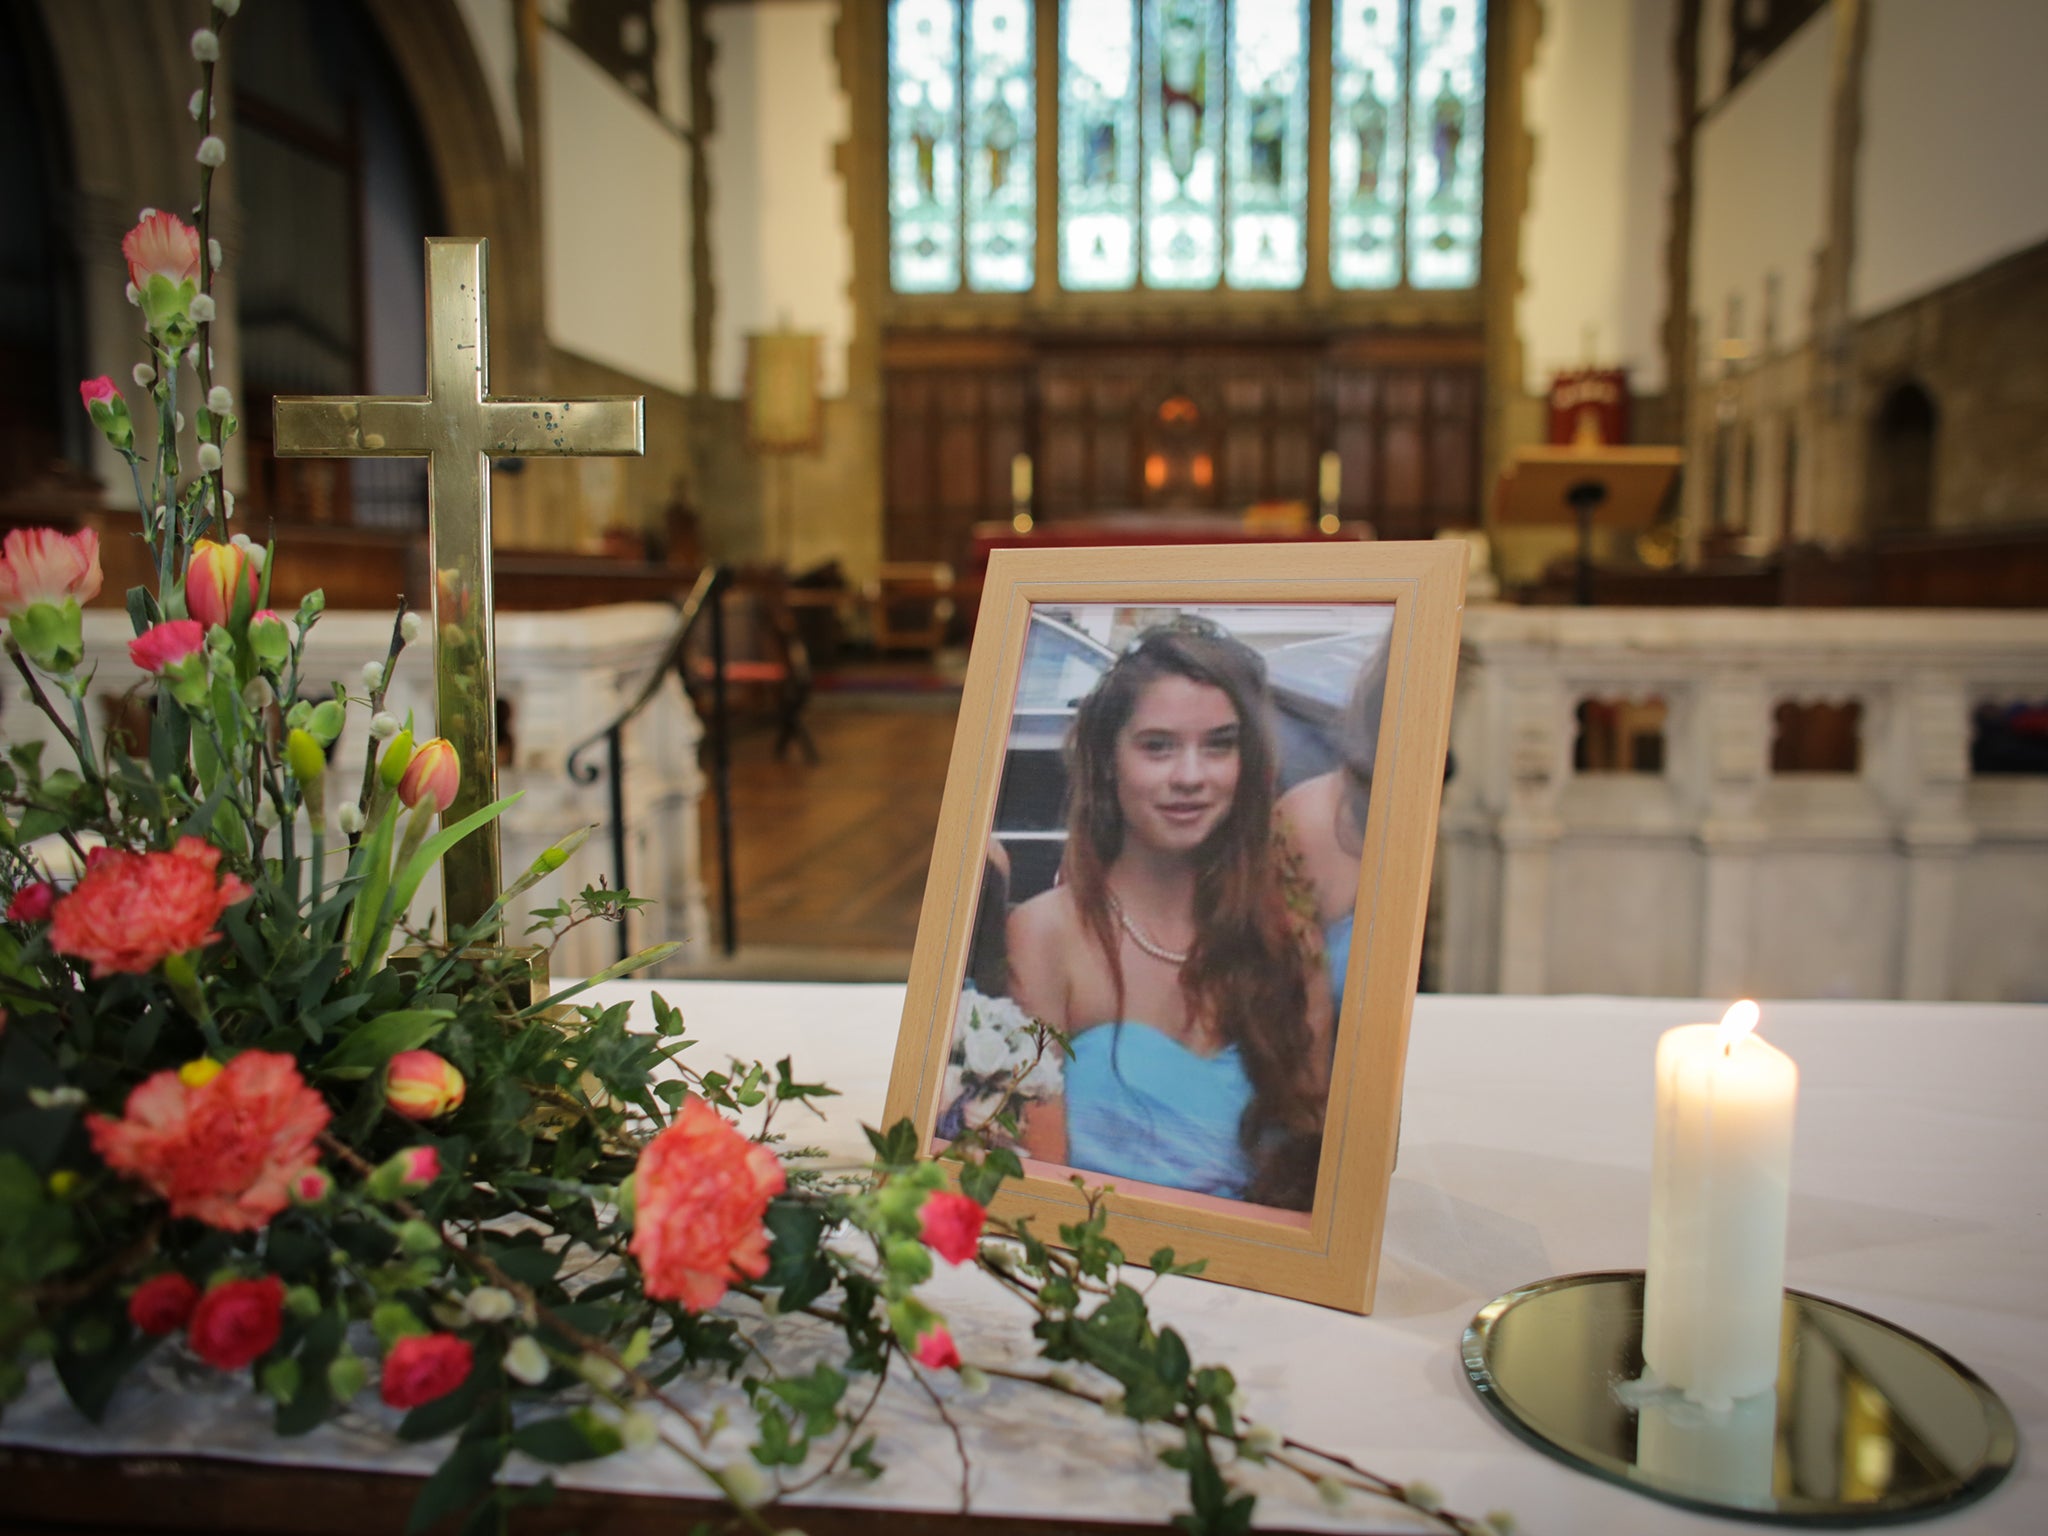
[[1920, 1190]]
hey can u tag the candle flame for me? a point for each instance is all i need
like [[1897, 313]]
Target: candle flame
[[1737, 1023]]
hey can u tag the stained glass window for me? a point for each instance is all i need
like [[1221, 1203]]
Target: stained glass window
[[1267, 191], [1182, 147], [1098, 159], [1368, 142], [962, 141], [1446, 128], [1002, 174], [1183, 121]]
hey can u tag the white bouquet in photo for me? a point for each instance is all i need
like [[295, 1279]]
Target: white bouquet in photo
[[1001, 1060]]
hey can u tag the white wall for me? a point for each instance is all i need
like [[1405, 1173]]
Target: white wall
[[493, 32], [615, 223], [1600, 103], [1951, 175], [781, 251], [1760, 197]]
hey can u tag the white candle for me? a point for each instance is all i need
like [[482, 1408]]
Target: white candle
[[1020, 478], [1330, 478], [1720, 1186]]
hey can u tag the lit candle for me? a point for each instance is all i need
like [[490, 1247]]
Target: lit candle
[[1720, 1187], [1330, 478], [1020, 479]]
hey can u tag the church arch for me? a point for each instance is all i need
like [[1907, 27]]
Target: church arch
[[1900, 477], [40, 425]]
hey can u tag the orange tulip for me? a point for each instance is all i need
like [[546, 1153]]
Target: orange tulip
[[433, 775], [212, 578]]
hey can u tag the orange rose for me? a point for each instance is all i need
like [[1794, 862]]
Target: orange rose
[[700, 1192], [225, 1152], [133, 909]]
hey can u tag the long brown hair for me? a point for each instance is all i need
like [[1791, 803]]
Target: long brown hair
[[1244, 969]]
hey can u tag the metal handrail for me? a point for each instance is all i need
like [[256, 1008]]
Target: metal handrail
[[705, 595]]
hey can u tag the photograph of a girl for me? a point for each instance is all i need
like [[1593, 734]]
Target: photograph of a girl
[[1169, 888]]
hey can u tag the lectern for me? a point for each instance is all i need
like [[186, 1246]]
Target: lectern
[[1595, 486]]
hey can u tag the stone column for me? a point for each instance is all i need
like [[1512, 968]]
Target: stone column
[[1931, 753], [1532, 714], [1732, 751]]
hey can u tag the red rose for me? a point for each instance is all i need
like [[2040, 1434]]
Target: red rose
[[937, 1350], [952, 1225], [32, 903], [422, 1367], [225, 1152], [236, 1321], [162, 1303], [700, 1192], [133, 909]]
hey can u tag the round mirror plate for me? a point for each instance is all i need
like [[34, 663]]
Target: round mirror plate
[[1867, 1425]]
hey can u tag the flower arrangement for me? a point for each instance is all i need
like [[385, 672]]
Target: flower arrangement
[[232, 1123]]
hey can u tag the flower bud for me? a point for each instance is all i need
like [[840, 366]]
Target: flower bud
[[213, 251], [144, 375], [489, 1304], [601, 1373], [405, 1173], [526, 1361], [209, 454], [166, 649], [212, 154], [267, 815], [312, 1186], [270, 637], [200, 1071], [220, 400], [202, 309], [350, 819], [32, 903], [206, 46], [109, 412], [638, 1429], [258, 694], [329, 715], [411, 627], [433, 776], [383, 725], [215, 578], [304, 756], [421, 1085], [418, 1237], [397, 757], [197, 104], [346, 1376], [373, 674]]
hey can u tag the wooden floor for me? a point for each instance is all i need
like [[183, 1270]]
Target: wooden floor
[[829, 859]]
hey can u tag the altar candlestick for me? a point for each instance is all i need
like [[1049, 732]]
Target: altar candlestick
[[1720, 1188]]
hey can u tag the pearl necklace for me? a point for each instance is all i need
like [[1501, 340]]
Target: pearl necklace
[[1141, 938]]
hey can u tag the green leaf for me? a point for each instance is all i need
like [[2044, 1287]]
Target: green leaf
[[462, 1479], [863, 1460], [557, 1441], [897, 1147], [368, 1046]]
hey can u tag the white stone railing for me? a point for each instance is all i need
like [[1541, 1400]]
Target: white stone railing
[[1715, 877], [564, 677]]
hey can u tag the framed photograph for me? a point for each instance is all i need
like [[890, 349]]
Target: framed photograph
[[1171, 933]]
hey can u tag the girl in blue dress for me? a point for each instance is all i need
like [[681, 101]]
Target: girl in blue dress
[[1199, 1031]]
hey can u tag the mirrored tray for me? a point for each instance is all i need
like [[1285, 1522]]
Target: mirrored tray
[[1868, 1425]]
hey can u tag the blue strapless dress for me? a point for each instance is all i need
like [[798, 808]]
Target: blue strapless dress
[[1140, 1105], [1337, 948]]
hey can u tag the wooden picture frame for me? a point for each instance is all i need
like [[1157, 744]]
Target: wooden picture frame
[[1143, 613]]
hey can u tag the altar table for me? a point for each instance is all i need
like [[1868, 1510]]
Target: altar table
[[1920, 1192]]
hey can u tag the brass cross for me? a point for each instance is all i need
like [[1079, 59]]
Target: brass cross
[[457, 427]]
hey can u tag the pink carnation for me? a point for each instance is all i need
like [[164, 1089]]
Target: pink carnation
[[162, 644], [41, 565], [32, 903], [162, 245], [952, 1225], [226, 1153], [700, 1192], [133, 909], [937, 1350]]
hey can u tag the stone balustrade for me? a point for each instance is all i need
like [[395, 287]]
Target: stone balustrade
[[1714, 875], [561, 677]]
